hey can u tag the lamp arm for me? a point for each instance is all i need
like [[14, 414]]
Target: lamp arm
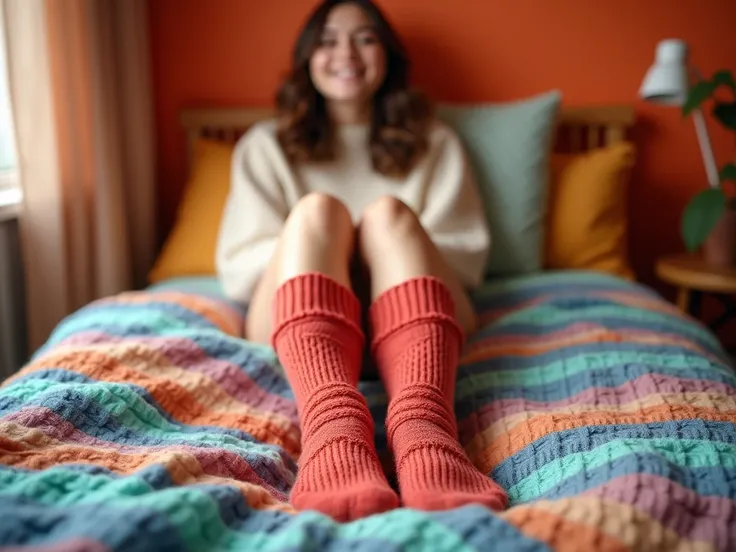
[[706, 149]]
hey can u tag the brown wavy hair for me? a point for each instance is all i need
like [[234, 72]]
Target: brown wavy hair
[[400, 115]]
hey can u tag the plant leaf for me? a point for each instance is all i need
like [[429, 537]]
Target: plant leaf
[[700, 217], [726, 113], [728, 172], [697, 95], [724, 77]]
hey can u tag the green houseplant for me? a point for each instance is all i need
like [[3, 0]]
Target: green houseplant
[[708, 211]]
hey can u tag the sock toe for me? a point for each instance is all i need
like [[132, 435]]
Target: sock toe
[[438, 500], [351, 503]]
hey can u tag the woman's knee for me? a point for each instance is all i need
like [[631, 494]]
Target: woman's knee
[[393, 244], [319, 215], [388, 216]]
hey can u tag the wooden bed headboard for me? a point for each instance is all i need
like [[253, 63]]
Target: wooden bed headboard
[[579, 128]]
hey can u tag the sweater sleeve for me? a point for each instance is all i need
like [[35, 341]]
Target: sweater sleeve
[[453, 213], [253, 217]]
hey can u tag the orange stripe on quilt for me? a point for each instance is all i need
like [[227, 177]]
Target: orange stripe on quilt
[[509, 443], [524, 346], [561, 534], [715, 401], [32, 449], [147, 360], [490, 315], [148, 369], [633, 528]]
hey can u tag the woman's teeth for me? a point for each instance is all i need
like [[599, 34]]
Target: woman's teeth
[[346, 73]]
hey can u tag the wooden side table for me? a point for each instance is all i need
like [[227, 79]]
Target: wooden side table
[[693, 277]]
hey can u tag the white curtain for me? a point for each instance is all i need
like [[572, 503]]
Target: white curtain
[[82, 104]]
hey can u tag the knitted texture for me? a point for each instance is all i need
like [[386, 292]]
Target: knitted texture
[[319, 342], [146, 422], [417, 344]]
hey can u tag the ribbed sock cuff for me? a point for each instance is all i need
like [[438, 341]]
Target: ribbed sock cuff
[[420, 299], [313, 294]]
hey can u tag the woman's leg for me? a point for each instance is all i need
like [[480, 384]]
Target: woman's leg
[[317, 335], [419, 318], [395, 247], [317, 237]]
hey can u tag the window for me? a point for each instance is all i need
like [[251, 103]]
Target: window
[[9, 189]]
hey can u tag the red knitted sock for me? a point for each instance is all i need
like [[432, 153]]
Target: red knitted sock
[[319, 342], [416, 343]]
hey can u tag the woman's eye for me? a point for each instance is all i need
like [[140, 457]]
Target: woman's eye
[[327, 42], [366, 40]]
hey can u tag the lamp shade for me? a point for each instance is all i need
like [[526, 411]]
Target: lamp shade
[[667, 79]]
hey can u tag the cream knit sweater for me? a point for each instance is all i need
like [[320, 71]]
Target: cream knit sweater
[[440, 189]]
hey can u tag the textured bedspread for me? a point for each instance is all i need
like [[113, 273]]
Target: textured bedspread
[[145, 423]]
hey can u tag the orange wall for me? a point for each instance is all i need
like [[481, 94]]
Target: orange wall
[[234, 51]]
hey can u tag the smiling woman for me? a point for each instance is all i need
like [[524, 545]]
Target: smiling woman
[[353, 214], [349, 53]]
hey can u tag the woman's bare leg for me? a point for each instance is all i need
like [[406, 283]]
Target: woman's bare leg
[[315, 326], [318, 237], [418, 318], [395, 247]]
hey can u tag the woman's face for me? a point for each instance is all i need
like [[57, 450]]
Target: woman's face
[[349, 64]]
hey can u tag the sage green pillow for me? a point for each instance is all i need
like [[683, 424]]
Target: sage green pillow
[[509, 147]]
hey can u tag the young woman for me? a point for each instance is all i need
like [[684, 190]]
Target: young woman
[[354, 189]]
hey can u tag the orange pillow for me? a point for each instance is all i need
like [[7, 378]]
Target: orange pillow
[[189, 250], [587, 226]]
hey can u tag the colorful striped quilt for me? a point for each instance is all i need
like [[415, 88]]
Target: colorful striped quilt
[[146, 423]]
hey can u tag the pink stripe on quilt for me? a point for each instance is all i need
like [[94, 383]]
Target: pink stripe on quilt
[[71, 545], [638, 388], [186, 355], [573, 330], [690, 515], [575, 335]]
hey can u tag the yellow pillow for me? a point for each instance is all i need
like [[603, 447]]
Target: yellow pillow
[[189, 250], [587, 218]]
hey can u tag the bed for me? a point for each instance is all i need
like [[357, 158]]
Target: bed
[[146, 421]]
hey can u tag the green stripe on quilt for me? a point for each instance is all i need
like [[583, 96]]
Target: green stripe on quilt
[[64, 488], [683, 452], [132, 412], [471, 382]]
